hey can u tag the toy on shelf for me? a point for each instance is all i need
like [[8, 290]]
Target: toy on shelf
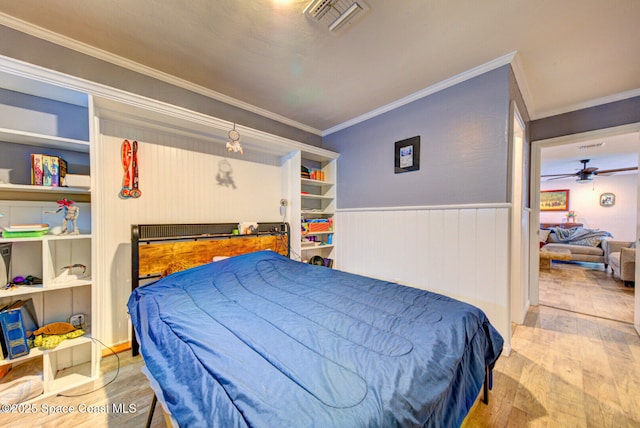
[[71, 213], [67, 275]]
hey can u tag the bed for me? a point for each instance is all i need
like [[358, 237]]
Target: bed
[[260, 340]]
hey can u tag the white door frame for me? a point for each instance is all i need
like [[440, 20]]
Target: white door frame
[[520, 216], [536, 153]]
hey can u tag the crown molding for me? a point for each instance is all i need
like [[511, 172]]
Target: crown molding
[[67, 42], [521, 81], [588, 104], [459, 78]]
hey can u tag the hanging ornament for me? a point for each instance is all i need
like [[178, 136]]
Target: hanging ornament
[[233, 144]]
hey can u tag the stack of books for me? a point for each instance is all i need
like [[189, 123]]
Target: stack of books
[[47, 170], [18, 322], [25, 230]]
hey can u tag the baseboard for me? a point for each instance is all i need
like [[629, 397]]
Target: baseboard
[[117, 349]]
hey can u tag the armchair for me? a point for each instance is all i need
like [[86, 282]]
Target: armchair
[[622, 258]]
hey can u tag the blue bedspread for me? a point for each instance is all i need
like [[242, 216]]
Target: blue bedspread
[[263, 341]]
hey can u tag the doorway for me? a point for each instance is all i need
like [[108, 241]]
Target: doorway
[[585, 146]]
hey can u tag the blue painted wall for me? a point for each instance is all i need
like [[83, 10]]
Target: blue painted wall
[[464, 149]]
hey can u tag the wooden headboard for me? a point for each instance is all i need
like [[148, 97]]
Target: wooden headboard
[[158, 249]]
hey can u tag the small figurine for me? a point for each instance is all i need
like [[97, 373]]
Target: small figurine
[[71, 213]]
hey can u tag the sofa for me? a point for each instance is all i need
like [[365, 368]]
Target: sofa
[[585, 245], [621, 256]]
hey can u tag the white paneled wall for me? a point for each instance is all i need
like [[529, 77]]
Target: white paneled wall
[[461, 252], [178, 180]]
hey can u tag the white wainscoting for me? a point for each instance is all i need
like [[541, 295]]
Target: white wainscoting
[[461, 252]]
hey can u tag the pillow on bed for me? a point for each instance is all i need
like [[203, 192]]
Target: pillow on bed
[[218, 258]]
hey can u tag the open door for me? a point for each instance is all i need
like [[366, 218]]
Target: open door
[[534, 231]]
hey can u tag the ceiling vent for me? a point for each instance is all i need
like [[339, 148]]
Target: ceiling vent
[[335, 14]]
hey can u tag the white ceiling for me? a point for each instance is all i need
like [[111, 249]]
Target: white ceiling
[[572, 53], [619, 151]]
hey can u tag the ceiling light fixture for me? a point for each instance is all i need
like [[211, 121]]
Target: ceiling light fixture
[[584, 178]]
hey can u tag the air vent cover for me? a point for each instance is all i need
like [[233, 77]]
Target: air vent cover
[[335, 14]]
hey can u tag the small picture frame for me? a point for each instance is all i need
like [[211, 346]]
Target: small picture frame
[[607, 200], [407, 156]]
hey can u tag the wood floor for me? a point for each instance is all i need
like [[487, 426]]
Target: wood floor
[[586, 288], [566, 369], [575, 362]]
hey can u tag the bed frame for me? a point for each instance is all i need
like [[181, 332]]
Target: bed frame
[[160, 249]]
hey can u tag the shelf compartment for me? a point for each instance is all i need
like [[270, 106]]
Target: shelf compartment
[[62, 251], [67, 365]]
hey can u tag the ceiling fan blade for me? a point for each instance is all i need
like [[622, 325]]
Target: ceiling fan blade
[[559, 175], [611, 171]]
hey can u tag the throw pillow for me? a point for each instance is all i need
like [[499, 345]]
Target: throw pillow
[[544, 234]]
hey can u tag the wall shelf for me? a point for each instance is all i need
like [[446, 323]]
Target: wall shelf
[[316, 247], [22, 188], [319, 183], [42, 140]]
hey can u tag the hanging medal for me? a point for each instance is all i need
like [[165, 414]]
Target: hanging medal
[[130, 181]]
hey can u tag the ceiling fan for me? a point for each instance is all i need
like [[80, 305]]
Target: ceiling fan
[[586, 174]]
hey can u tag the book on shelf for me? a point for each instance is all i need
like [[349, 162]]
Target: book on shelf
[[25, 230], [18, 321]]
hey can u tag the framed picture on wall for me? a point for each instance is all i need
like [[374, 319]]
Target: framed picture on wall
[[607, 199], [407, 155], [554, 200]]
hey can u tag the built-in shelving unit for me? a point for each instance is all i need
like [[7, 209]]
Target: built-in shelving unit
[[65, 290], [317, 208]]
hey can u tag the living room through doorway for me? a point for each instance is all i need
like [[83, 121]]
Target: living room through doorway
[[580, 286]]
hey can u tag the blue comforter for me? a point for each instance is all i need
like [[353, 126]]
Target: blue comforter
[[263, 341]]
